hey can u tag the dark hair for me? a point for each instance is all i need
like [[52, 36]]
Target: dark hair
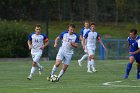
[[72, 25], [37, 25], [133, 31], [92, 24]]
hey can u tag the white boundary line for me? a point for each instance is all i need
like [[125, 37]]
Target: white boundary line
[[112, 84]]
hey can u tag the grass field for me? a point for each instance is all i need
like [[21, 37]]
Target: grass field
[[108, 78]]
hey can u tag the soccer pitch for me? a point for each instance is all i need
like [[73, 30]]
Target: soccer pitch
[[107, 79]]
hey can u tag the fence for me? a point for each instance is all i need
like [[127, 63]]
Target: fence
[[117, 49]]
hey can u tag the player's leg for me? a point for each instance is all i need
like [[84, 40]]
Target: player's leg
[[92, 63], [138, 70], [66, 63], [137, 57], [59, 59], [37, 58], [56, 65], [129, 66], [83, 57], [33, 68]]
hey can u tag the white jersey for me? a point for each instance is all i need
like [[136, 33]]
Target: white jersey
[[84, 31], [66, 41], [37, 42], [91, 39]]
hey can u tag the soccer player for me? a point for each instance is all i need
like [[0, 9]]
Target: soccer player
[[134, 51], [89, 41], [69, 41], [82, 33], [36, 45]]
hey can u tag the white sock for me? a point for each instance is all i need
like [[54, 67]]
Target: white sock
[[53, 70], [88, 65], [92, 62], [61, 73], [32, 70], [83, 57], [38, 65]]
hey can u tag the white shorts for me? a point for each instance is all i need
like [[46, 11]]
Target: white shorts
[[65, 57], [36, 56], [91, 51]]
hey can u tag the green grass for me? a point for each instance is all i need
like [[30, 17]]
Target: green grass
[[76, 80]]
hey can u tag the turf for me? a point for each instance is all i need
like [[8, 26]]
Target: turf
[[108, 78]]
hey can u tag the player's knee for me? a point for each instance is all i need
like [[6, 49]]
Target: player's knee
[[91, 57], [34, 64]]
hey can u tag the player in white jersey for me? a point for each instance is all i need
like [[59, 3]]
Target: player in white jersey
[[69, 41], [89, 40], [82, 33], [36, 45]]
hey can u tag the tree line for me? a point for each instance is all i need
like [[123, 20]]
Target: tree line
[[74, 10]]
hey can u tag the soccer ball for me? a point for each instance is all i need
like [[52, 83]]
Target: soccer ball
[[53, 78]]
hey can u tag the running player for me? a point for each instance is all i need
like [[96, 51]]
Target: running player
[[89, 41], [69, 41], [82, 33], [36, 45], [134, 50]]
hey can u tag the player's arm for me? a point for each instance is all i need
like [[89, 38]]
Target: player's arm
[[29, 44], [81, 37], [100, 41], [75, 45], [84, 43], [137, 51], [46, 42], [56, 41]]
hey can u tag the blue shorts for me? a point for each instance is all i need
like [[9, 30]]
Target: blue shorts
[[137, 57]]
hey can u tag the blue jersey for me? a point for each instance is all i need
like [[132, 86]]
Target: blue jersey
[[134, 46], [83, 31], [67, 39], [133, 43]]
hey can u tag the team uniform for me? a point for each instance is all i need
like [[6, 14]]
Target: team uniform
[[91, 38], [66, 50], [83, 31], [134, 46], [37, 42]]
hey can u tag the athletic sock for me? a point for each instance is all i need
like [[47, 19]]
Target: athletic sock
[[53, 70], [38, 65], [61, 73], [88, 65], [32, 70], [83, 57], [128, 68]]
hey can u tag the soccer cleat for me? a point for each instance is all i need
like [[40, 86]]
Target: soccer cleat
[[40, 70], [126, 77], [80, 63], [94, 70], [29, 77], [89, 71]]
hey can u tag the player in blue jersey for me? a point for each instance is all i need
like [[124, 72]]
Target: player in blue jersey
[[134, 50], [89, 41], [82, 33], [36, 45], [69, 41]]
